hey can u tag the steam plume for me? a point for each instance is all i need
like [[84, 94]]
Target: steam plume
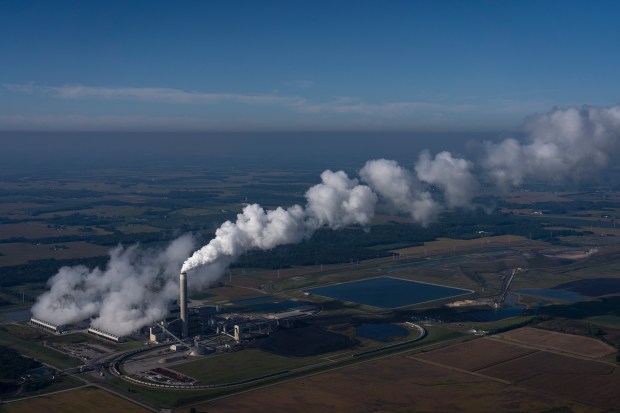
[[336, 202], [136, 286], [402, 191], [571, 143], [133, 290], [452, 175]]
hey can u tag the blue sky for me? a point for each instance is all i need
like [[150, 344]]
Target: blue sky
[[302, 65]]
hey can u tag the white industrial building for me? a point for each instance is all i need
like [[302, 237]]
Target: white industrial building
[[48, 326], [106, 335]]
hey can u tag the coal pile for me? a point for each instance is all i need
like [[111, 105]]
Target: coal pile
[[305, 341]]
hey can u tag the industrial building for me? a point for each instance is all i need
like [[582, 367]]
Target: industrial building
[[60, 329], [249, 329], [106, 335]]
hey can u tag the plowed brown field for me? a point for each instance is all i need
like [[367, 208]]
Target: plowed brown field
[[584, 346]]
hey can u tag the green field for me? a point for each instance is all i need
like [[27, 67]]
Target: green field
[[29, 341], [242, 365]]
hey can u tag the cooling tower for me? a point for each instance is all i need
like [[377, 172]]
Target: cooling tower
[[183, 304]]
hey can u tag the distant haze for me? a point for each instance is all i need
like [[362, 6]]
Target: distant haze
[[27, 150]]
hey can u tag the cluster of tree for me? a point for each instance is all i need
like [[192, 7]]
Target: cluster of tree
[[78, 219], [581, 310], [13, 365], [352, 244], [346, 245]]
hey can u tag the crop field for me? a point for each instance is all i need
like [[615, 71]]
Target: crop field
[[447, 244], [136, 229], [393, 384], [577, 379], [475, 355], [88, 399], [34, 230], [587, 381], [22, 252], [529, 197], [584, 346]]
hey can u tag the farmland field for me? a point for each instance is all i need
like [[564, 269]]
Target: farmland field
[[21, 253], [475, 355], [82, 400], [446, 244], [583, 346], [577, 379], [587, 381], [394, 384]]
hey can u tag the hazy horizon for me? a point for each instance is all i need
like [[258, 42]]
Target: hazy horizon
[[283, 149]]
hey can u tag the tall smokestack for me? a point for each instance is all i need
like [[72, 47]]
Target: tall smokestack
[[183, 304]]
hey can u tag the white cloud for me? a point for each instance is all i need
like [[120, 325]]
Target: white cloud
[[159, 95], [338, 105], [282, 112]]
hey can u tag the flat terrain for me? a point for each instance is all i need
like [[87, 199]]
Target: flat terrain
[[35, 230], [394, 384], [232, 367], [485, 374], [583, 346], [78, 216], [578, 379], [475, 355], [447, 244], [22, 252], [88, 399]]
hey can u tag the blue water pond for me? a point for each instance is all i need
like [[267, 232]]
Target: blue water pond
[[388, 292]]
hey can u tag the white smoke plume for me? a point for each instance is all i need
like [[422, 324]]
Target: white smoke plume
[[401, 189], [336, 202], [452, 175], [133, 290], [571, 143], [136, 286]]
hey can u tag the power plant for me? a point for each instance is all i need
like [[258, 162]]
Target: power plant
[[183, 305]]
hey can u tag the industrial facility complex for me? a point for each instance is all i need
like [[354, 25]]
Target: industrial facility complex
[[192, 332]]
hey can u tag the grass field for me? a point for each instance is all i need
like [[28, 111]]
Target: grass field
[[30, 344], [88, 399], [608, 320], [233, 367], [503, 324]]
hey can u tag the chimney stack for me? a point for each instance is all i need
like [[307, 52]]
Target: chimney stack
[[183, 305]]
